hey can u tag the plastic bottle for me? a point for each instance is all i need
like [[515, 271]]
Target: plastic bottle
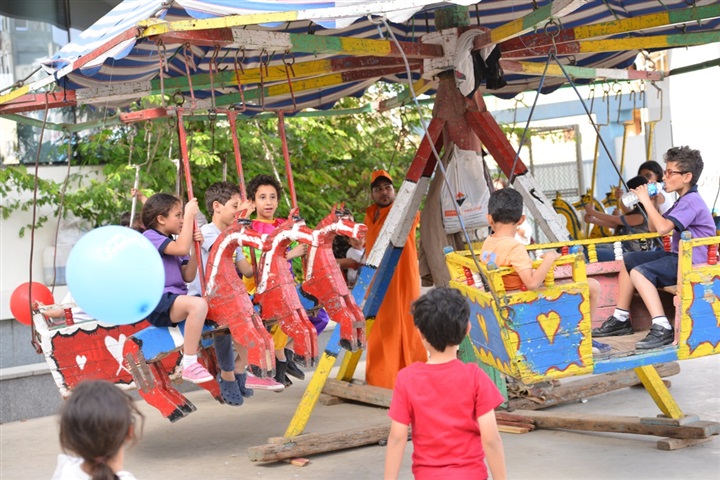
[[630, 199]]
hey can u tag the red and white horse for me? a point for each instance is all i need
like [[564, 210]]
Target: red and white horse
[[324, 280], [228, 301], [276, 291]]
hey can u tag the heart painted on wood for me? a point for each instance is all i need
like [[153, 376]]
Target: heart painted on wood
[[115, 347], [81, 360], [550, 324]]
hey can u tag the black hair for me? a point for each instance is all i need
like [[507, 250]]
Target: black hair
[[95, 423], [505, 206], [688, 161], [219, 192], [654, 167], [158, 204], [442, 316], [636, 182], [125, 219], [260, 180]]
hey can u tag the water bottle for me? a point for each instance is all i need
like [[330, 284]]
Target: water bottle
[[630, 199]]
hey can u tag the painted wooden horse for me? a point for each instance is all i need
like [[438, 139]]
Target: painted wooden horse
[[276, 290], [324, 281], [228, 301]]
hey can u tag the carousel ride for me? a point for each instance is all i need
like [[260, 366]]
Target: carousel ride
[[238, 61]]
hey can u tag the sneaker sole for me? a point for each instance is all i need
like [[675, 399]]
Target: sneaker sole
[[620, 333], [279, 388], [197, 380], [643, 347]]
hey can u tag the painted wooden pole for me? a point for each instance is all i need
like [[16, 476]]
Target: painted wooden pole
[[182, 137]]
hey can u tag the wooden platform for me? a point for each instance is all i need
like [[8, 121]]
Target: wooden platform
[[623, 346]]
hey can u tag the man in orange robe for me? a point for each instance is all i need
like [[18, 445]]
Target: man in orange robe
[[394, 342]]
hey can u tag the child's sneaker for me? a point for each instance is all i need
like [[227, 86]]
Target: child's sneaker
[[196, 373], [598, 347], [269, 383]]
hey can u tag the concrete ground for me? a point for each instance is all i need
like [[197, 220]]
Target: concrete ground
[[212, 442]]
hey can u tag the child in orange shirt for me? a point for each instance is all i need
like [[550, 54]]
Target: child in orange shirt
[[505, 213]]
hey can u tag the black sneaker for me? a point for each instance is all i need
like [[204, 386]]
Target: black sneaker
[[612, 327], [658, 337]]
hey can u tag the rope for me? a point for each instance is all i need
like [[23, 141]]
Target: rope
[[34, 342], [60, 211]]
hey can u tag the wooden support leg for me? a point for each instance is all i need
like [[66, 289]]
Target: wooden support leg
[[312, 393], [350, 359], [658, 391]]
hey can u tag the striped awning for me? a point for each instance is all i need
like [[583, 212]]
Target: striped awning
[[293, 55]]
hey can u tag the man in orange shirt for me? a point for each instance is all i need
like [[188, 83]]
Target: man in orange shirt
[[394, 342]]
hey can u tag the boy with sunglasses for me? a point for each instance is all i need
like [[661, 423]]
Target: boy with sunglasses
[[645, 271]]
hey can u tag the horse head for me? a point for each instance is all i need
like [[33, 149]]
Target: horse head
[[340, 221]]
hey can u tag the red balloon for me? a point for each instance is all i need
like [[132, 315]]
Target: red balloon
[[19, 305]]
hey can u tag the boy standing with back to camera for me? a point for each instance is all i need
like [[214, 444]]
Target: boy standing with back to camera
[[451, 434]]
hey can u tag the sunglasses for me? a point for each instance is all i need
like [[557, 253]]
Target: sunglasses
[[670, 173]]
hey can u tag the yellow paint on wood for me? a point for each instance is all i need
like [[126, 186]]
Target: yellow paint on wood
[[658, 391], [351, 359], [310, 397], [14, 94], [152, 28], [362, 46], [550, 324]]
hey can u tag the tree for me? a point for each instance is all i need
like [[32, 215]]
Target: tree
[[332, 159]]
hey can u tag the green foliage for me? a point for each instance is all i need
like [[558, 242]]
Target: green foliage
[[332, 158]]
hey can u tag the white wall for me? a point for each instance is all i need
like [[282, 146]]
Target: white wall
[[695, 105], [15, 251]]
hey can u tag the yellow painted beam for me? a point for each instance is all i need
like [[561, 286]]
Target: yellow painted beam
[[351, 359], [311, 395], [658, 391]]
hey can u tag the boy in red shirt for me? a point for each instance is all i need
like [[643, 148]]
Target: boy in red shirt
[[449, 404]]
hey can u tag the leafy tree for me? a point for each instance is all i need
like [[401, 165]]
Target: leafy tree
[[332, 158]]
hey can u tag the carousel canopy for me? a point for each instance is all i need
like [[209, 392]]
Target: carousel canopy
[[293, 55]]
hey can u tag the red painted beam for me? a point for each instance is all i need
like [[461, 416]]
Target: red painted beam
[[201, 38], [32, 102], [495, 141], [528, 43], [423, 163], [144, 115], [568, 48]]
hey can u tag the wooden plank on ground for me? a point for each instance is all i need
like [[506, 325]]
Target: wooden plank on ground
[[314, 443], [678, 443], [369, 394], [590, 386], [619, 424], [512, 429]]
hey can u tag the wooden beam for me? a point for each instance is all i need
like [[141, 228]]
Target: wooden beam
[[368, 394], [620, 424], [642, 22], [80, 62], [421, 86], [31, 102], [153, 27], [575, 390], [619, 44], [534, 20], [314, 443], [553, 70]]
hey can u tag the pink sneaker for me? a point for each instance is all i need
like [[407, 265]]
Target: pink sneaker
[[257, 383], [196, 373]]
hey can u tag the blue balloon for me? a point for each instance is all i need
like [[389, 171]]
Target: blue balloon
[[116, 275]]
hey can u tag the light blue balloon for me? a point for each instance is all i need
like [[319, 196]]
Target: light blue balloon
[[115, 275]]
